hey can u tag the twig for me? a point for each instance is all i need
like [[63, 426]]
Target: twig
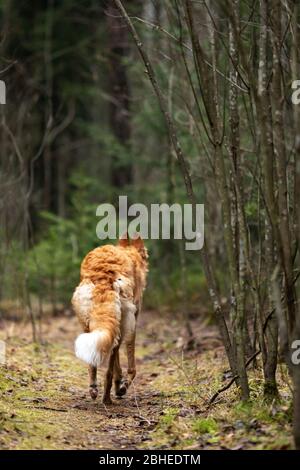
[[228, 385], [62, 410], [162, 103], [138, 408], [157, 27], [217, 393]]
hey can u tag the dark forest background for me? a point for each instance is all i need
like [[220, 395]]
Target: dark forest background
[[81, 127]]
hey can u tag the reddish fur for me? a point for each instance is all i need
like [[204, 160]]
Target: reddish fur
[[103, 266]]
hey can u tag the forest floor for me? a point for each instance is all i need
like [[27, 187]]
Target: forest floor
[[45, 402]]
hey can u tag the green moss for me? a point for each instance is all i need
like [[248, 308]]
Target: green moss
[[45, 402], [27, 392], [205, 426], [168, 417], [263, 411]]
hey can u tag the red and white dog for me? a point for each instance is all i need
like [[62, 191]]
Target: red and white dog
[[107, 302]]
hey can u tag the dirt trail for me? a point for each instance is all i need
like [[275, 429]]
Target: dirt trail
[[45, 402]]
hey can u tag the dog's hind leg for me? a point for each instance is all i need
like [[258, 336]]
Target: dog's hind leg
[[93, 382], [109, 376], [120, 388], [128, 328], [130, 346], [122, 384]]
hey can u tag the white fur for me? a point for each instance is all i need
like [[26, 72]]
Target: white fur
[[87, 347], [123, 287], [128, 320], [82, 300]]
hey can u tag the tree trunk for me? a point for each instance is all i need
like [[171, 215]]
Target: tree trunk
[[118, 87]]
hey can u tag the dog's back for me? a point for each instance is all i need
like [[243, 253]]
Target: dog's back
[[108, 297]]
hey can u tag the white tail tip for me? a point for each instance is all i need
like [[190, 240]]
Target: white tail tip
[[87, 347]]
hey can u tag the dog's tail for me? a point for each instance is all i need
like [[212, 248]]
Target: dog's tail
[[104, 326]]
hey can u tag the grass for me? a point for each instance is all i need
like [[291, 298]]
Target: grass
[[45, 404], [229, 423], [205, 426]]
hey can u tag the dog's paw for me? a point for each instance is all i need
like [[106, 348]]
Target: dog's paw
[[122, 388], [107, 401], [93, 392]]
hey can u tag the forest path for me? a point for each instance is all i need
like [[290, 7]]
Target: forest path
[[45, 401]]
